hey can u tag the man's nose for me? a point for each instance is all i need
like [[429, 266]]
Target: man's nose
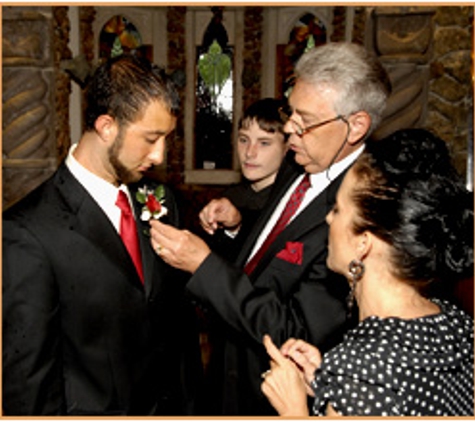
[[157, 154], [289, 127]]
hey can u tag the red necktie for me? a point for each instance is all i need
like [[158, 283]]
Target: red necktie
[[289, 210], [128, 232]]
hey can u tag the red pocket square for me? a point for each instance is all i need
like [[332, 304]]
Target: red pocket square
[[292, 253]]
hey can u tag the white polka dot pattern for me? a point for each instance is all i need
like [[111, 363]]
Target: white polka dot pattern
[[396, 367]]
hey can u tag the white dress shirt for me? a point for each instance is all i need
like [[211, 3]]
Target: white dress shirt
[[103, 192], [319, 183]]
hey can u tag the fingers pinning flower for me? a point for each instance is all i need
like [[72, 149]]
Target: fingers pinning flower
[[153, 203]]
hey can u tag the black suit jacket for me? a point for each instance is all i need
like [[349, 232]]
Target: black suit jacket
[[284, 299], [81, 334]]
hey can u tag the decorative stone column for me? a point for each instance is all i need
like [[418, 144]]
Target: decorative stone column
[[428, 54], [176, 65], [29, 138], [252, 55], [62, 81], [402, 38]]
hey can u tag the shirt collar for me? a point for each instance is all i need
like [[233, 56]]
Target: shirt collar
[[101, 190], [337, 168]]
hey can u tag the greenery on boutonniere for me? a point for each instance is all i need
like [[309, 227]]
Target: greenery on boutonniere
[[152, 200]]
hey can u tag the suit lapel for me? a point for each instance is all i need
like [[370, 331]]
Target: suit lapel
[[311, 217], [152, 265], [88, 219], [285, 179], [149, 260]]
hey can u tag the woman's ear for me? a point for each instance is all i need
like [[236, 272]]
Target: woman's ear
[[359, 122], [363, 245], [105, 126]]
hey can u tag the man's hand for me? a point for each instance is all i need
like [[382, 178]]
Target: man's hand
[[178, 248], [220, 213]]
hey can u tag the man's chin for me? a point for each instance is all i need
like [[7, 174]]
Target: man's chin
[[304, 162], [137, 177], [301, 159], [132, 178]]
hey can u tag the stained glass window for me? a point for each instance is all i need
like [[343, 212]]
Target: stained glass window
[[214, 97], [308, 32], [118, 36]]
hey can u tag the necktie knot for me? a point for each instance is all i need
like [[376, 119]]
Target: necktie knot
[[123, 202], [305, 184]]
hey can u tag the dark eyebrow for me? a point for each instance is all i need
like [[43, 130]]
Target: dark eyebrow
[[155, 132]]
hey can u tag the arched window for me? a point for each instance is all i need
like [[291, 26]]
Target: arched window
[[214, 97], [214, 43]]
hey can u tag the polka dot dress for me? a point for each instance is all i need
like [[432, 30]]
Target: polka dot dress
[[396, 367]]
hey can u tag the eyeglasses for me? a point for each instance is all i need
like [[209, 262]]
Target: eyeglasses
[[286, 112]]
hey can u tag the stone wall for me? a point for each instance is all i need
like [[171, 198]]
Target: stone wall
[[450, 99]]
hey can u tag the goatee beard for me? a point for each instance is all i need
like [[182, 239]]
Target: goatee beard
[[123, 175]]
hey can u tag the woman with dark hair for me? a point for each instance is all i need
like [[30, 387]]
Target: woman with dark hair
[[402, 222]]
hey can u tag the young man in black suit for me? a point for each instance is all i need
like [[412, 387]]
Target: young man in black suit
[[89, 328], [337, 100]]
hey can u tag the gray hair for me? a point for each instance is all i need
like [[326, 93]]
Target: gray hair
[[358, 77]]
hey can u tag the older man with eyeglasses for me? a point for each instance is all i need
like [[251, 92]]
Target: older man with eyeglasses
[[280, 284]]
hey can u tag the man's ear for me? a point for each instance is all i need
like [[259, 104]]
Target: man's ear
[[359, 122], [106, 127]]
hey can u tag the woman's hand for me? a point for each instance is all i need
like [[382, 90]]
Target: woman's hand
[[306, 356], [284, 384]]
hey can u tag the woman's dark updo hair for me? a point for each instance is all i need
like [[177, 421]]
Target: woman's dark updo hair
[[409, 195]]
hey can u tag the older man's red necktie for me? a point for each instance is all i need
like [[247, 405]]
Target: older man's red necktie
[[128, 232], [289, 210]]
